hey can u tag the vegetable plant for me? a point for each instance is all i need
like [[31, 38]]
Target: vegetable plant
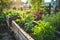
[[13, 13], [44, 31], [29, 22], [26, 21]]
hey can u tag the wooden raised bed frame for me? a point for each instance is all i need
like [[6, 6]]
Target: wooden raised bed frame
[[19, 33]]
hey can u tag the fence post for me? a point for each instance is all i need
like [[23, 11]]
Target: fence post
[[49, 8]]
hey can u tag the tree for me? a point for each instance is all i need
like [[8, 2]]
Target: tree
[[36, 4], [38, 8], [4, 4]]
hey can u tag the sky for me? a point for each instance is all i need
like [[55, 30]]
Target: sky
[[47, 0], [24, 1]]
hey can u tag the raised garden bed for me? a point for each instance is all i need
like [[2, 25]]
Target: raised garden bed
[[20, 34], [46, 30]]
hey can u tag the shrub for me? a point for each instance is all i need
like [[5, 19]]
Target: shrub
[[54, 19], [43, 31]]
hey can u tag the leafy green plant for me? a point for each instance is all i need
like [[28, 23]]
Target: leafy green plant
[[26, 21], [13, 13], [29, 22], [54, 19], [43, 31], [2, 19], [20, 22]]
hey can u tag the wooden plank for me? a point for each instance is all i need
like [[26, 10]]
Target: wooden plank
[[21, 34]]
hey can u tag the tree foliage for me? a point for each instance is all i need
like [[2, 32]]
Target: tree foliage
[[36, 4], [4, 4]]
